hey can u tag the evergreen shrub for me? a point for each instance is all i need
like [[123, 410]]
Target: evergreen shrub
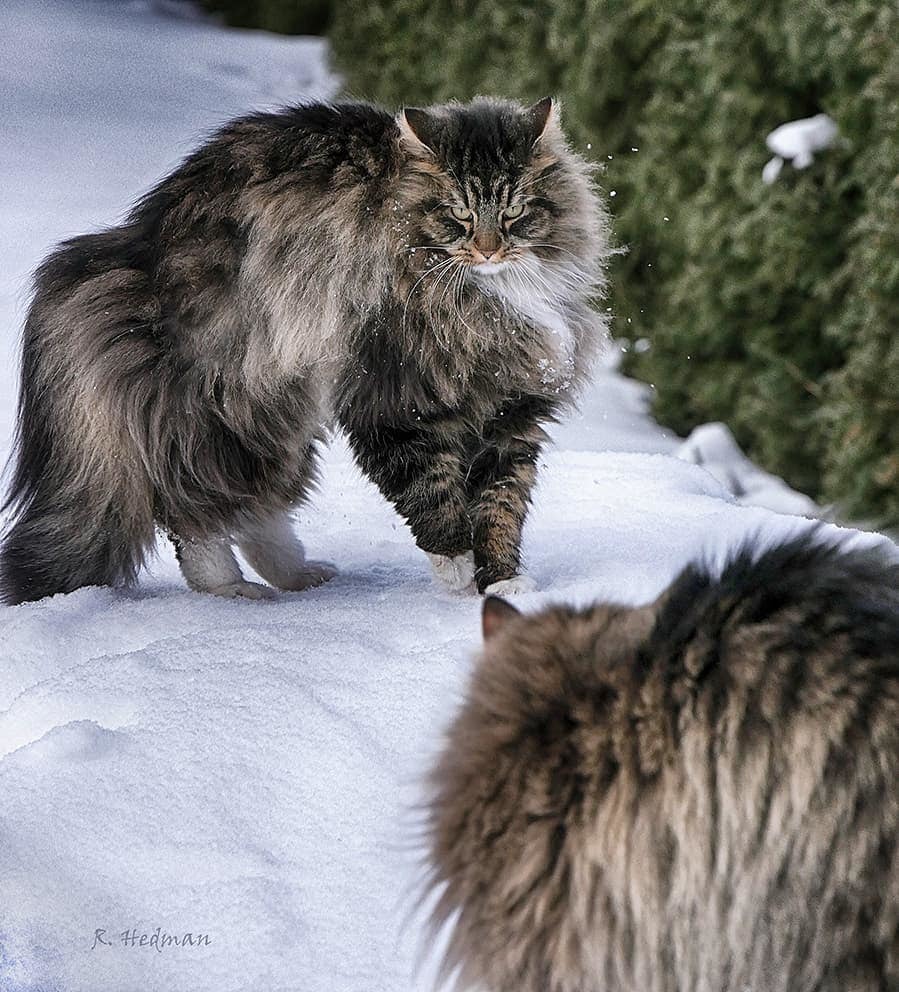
[[283, 16], [772, 308]]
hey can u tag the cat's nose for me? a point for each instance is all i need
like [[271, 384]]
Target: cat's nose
[[488, 245], [487, 254]]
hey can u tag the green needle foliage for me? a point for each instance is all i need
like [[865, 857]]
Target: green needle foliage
[[283, 16], [861, 416], [773, 308]]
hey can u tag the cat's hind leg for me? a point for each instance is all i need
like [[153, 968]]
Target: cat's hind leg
[[209, 565], [272, 547]]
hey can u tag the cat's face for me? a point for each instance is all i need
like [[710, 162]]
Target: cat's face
[[497, 189]]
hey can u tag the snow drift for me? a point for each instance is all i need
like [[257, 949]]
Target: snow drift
[[247, 773]]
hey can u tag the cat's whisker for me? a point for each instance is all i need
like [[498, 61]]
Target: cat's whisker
[[557, 270], [449, 284], [450, 271], [463, 275], [436, 322], [567, 279], [460, 287], [428, 272], [546, 244], [537, 278], [456, 282], [434, 302]]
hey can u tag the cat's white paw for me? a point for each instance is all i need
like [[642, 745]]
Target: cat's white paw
[[308, 575], [243, 590], [515, 586], [456, 573]]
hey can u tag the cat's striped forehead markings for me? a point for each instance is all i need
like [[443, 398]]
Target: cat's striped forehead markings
[[494, 193]]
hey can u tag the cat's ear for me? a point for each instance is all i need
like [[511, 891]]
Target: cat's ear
[[418, 130], [495, 615], [542, 117]]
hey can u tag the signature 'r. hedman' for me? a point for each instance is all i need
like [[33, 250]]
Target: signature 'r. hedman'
[[157, 940], [422, 280]]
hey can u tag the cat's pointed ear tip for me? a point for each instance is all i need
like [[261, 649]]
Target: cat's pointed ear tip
[[412, 114], [495, 614], [416, 128], [542, 114]]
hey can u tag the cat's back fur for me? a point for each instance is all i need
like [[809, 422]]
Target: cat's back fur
[[701, 795]]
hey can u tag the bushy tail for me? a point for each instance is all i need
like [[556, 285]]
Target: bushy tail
[[58, 548], [72, 522]]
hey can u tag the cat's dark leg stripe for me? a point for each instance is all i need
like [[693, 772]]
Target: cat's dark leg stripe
[[498, 517], [424, 479], [500, 481]]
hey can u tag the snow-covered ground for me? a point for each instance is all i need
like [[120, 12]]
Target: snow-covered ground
[[242, 770]]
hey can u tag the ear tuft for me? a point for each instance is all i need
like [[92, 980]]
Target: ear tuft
[[495, 615], [418, 129], [540, 116]]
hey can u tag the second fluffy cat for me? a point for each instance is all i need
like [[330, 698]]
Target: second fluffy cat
[[700, 795]]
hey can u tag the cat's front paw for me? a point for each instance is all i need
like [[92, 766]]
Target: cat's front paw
[[308, 575], [515, 586], [456, 573], [243, 590]]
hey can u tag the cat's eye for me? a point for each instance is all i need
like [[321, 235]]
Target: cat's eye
[[513, 212], [461, 213]]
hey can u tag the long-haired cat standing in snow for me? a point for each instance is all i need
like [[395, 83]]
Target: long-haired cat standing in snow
[[699, 795], [422, 279]]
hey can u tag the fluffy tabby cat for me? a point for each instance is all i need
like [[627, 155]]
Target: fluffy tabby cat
[[424, 280], [700, 795]]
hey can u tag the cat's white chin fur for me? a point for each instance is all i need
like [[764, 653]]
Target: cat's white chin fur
[[490, 268], [516, 586], [456, 573]]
